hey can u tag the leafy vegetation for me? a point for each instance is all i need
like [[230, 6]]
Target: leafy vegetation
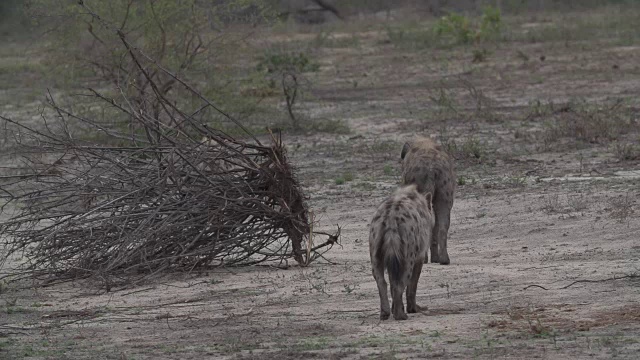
[[457, 29], [626, 151], [279, 61], [590, 122], [344, 178], [84, 43]]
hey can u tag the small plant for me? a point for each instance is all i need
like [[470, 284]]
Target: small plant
[[365, 186], [323, 38], [349, 288], [380, 150], [11, 302], [448, 143], [491, 22], [456, 29], [516, 181], [330, 126], [484, 104], [577, 202], [388, 170], [314, 343], [551, 204], [395, 35], [444, 99], [522, 56], [473, 148], [621, 208], [626, 151], [466, 180], [319, 285], [286, 69], [539, 109], [445, 105], [590, 122], [538, 329], [275, 62], [480, 55], [470, 149], [409, 37], [344, 178], [16, 310]]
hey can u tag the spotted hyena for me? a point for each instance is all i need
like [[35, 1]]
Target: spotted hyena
[[399, 237], [427, 165]]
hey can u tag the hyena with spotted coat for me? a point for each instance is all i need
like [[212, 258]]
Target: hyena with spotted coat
[[399, 236], [427, 165]]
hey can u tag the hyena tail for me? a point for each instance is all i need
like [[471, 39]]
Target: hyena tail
[[393, 257]]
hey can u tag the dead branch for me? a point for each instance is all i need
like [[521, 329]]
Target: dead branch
[[154, 198], [328, 7], [290, 90], [631, 276]]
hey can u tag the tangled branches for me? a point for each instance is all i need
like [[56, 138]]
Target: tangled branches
[[169, 192]]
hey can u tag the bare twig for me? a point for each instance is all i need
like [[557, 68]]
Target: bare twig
[[631, 276]]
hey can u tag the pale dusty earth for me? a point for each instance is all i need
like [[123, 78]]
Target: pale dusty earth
[[544, 242]]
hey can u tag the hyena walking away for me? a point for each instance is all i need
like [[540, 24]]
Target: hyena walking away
[[427, 165], [399, 237]]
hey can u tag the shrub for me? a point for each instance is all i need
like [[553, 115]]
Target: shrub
[[278, 62], [456, 29]]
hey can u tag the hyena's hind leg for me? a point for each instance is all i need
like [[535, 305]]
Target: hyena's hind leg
[[378, 275], [397, 307], [412, 288], [399, 276]]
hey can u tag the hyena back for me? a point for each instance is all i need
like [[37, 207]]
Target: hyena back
[[400, 234], [427, 165]]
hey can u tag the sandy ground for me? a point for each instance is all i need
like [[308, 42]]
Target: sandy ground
[[544, 244], [515, 289]]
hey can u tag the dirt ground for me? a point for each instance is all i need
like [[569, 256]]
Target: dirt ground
[[544, 240]]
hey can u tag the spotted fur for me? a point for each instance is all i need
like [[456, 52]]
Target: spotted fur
[[427, 165], [399, 236]]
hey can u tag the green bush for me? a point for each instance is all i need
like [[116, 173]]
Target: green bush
[[491, 23], [277, 62], [456, 29], [191, 38]]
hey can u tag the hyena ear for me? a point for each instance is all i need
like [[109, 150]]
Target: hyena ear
[[429, 198], [405, 150]]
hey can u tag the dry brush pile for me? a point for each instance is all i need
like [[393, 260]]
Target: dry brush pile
[[167, 192]]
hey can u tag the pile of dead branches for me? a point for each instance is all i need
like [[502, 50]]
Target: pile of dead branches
[[168, 192]]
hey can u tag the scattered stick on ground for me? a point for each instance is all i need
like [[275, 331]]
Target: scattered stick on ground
[[632, 276]]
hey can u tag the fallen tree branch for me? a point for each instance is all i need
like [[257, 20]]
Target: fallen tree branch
[[174, 193]]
